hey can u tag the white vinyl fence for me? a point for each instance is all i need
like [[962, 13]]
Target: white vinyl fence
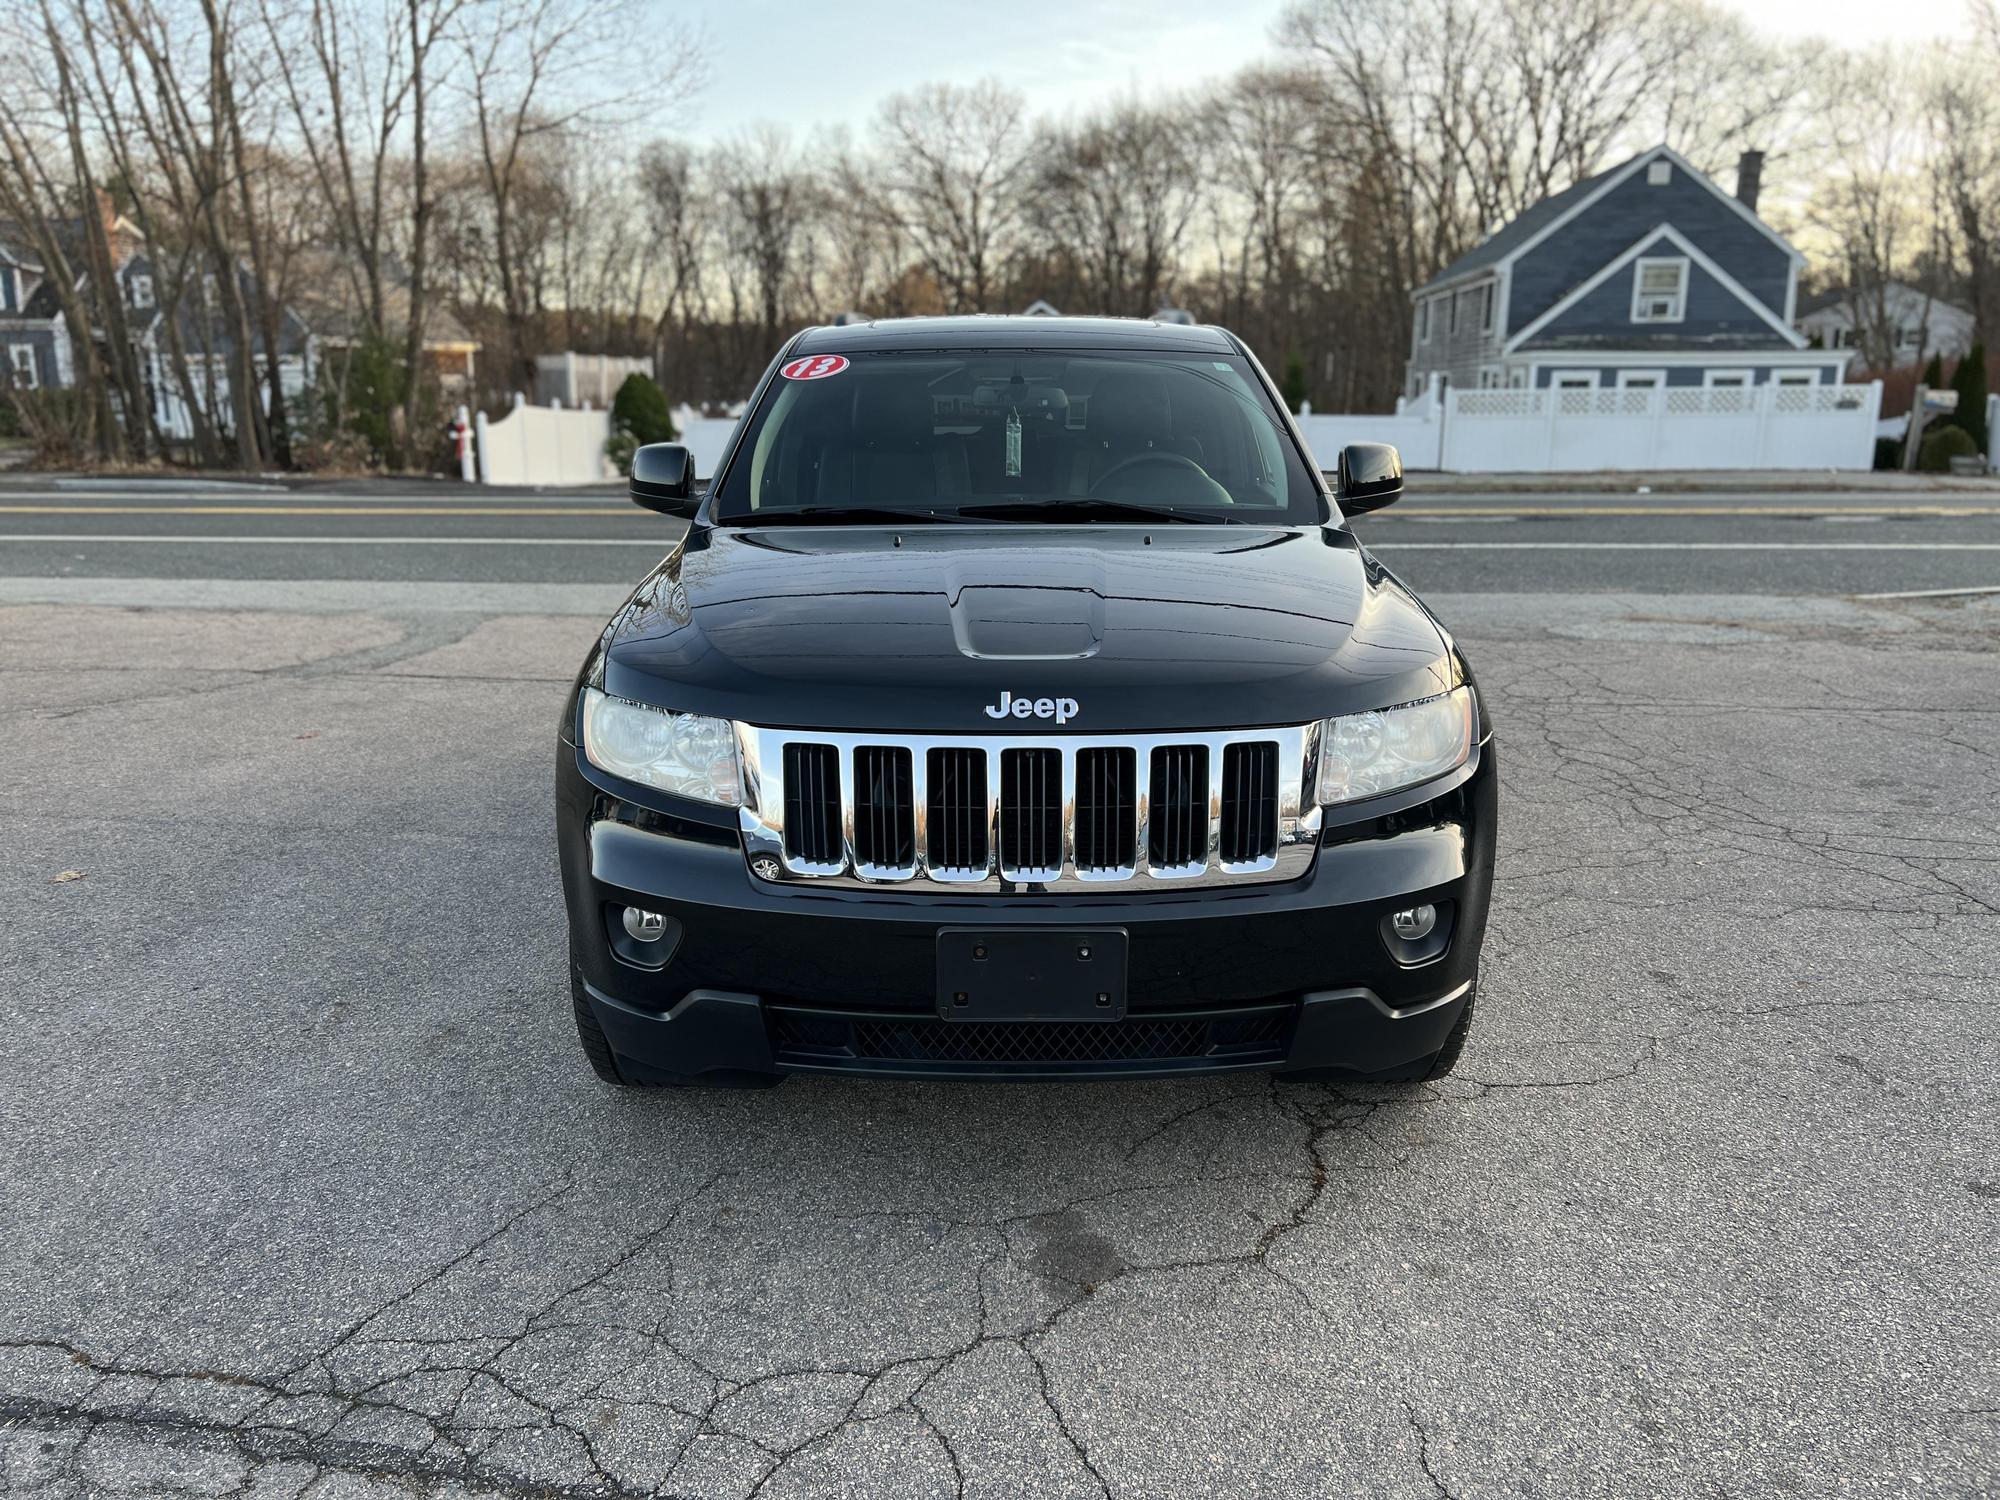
[[704, 437], [544, 445], [1673, 427], [574, 379], [1414, 429]]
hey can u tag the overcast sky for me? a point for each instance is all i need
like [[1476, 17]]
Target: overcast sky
[[816, 65]]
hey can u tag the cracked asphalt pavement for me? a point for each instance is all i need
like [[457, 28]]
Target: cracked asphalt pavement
[[307, 1192]]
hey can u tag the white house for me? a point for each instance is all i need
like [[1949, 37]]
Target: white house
[[1899, 325]]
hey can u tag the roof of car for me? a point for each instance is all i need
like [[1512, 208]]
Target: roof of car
[[992, 332]]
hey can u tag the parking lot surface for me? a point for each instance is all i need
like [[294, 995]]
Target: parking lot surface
[[308, 1191]]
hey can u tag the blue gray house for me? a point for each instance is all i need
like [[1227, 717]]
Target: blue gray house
[[34, 345], [1645, 275]]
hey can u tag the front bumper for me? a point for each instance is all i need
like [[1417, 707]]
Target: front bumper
[[767, 979]]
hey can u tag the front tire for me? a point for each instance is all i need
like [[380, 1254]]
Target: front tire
[[596, 1045]]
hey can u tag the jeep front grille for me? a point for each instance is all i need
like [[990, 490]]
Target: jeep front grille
[[885, 825], [1178, 828], [812, 805], [1028, 812], [1107, 810], [957, 807], [1249, 802]]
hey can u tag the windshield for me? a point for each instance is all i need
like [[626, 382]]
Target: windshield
[[1043, 436]]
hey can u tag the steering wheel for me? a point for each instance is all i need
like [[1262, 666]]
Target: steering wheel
[[1164, 457]]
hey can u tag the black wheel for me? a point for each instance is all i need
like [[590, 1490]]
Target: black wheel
[[596, 1046]]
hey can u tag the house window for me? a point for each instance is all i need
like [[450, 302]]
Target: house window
[[1659, 173], [1486, 308], [1489, 378], [1641, 380], [142, 291], [22, 358], [1795, 377], [1424, 321], [1456, 299], [1659, 290], [1731, 378], [1575, 380]]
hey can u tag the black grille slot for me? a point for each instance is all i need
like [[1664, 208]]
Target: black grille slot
[[812, 804], [869, 1041], [1177, 819], [885, 823], [1031, 809], [956, 816], [1107, 809], [1249, 803]]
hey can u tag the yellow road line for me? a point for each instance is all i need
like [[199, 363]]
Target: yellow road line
[[1781, 511], [625, 512], [1428, 512]]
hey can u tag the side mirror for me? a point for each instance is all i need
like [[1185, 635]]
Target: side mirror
[[1370, 477], [663, 479]]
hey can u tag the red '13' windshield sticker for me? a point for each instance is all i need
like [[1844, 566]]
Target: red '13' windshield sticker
[[814, 367]]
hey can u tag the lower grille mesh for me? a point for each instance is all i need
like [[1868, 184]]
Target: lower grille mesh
[[1242, 1036]]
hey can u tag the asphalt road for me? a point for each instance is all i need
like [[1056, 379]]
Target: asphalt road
[[1835, 543], [307, 1192]]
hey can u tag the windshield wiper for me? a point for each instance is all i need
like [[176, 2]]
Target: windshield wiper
[[1085, 508], [869, 515]]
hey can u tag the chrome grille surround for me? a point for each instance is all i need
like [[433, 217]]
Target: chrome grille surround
[[762, 815]]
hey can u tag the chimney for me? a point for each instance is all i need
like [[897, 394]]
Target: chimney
[[1749, 178]]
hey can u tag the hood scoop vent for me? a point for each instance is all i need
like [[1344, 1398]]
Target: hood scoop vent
[[996, 622]]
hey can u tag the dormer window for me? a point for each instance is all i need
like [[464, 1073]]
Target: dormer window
[[1659, 290]]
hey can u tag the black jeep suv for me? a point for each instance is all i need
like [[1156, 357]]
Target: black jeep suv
[[1019, 705]]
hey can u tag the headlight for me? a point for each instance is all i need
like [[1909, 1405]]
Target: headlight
[[1364, 755], [691, 754]]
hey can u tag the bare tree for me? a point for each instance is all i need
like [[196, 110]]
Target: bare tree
[[1117, 193], [1967, 129], [767, 205], [533, 73], [952, 160]]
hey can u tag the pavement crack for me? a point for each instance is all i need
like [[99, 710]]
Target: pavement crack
[[1424, 1451]]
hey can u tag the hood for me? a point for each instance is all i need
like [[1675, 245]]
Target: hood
[[868, 628]]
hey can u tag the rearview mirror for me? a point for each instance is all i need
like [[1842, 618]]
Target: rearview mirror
[[1370, 477], [663, 479]]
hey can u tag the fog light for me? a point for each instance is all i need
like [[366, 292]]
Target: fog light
[[1412, 926], [650, 926]]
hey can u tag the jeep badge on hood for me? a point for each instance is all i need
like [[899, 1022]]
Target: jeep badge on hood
[[1062, 710]]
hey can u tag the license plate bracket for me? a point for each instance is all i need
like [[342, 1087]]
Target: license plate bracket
[[1031, 974]]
